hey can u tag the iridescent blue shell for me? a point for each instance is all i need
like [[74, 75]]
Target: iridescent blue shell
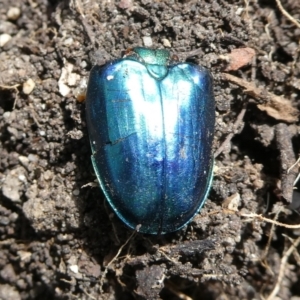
[[151, 125]]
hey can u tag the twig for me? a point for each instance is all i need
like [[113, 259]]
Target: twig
[[266, 251], [110, 216], [297, 179], [9, 87], [12, 87], [253, 216], [286, 14], [114, 259], [282, 268], [293, 166], [262, 218], [247, 9]]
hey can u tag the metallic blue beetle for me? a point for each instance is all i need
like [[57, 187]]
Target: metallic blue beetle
[[151, 124]]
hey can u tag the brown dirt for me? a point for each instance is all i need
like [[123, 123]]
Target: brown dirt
[[58, 238]]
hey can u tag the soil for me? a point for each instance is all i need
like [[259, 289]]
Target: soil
[[59, 237]]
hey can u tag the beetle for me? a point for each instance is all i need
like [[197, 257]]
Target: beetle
[[151, 122]]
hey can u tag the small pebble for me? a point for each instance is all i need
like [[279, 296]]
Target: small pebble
[[4, 220], [147, 40], [24, 255], [4, 38], [239, 11], [13, 13], [74, 269], [28, 86], [68, 42], [166, 43], [13, 217], [33, 158], [48, 175], [83, 64], [24, 161], [6, 115], [80, 91], [64, 90], [72, 79], [22, 177], [76, 192]]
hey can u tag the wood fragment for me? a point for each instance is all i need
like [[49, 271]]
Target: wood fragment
[[238, 58], [275, 106], [287, 158]]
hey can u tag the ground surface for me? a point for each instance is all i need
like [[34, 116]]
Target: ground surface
[[60, 239]]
